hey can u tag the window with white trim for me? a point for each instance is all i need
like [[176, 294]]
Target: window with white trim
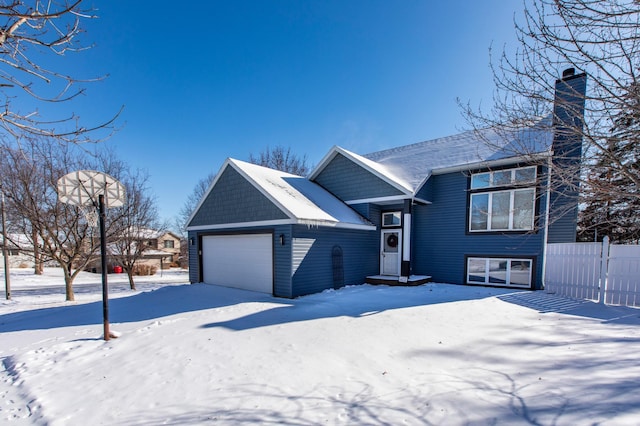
[[390, 219], [505, 272], [507, 177], [494, 209]]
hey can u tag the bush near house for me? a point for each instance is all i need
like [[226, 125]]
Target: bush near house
[[144, 270]]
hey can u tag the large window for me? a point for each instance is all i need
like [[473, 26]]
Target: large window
[[499, 271], [493, 208]]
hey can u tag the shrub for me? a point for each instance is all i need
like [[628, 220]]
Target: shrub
[[144, 270]]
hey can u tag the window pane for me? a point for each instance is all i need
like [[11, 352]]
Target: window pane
[[498, 271], [391, 240], [391, 219], [480, 180], [502, 177], [476, 270], [520, 273], [523, 206], [500, 210], [526, 175], [479, 211]]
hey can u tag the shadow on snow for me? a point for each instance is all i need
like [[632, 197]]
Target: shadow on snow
[[356, 301], [548, 303], [353, 301], [162, 302]]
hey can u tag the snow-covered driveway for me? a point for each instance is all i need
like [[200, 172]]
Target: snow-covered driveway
[[434, 354]]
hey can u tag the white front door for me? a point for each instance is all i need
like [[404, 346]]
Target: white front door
[[390, 252]]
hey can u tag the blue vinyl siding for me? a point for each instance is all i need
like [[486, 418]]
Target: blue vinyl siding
[[369, 211], [349, 181], [194, 265], [282, 262], [234, 200], [563, 222], [440, 240], [313, 258]]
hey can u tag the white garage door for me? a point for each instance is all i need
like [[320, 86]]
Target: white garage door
[[240, 261]]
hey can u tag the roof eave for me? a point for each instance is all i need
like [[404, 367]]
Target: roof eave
[[491, 163]]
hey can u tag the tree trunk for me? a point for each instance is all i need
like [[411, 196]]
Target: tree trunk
[[130, 275], [68, 284], [37, 258]]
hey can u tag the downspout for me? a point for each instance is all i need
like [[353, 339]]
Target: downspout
[[546, 219]]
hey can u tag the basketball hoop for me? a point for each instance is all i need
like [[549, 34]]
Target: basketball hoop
[[90, 214], [92, 192]]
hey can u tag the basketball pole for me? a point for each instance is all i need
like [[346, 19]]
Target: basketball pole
[[103, 255], [5, 252]]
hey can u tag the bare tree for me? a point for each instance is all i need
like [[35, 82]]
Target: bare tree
[[192, 201], [282, 159], [31, 32], [57, 231], [598, 37], [134, 220], [60, 232]]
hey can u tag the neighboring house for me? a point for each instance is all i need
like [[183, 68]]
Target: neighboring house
[[455, 210], [160, 249], [20, 255], [161, 246]]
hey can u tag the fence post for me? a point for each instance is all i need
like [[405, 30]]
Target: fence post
[[604, 257]]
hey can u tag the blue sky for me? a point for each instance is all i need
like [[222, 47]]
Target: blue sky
[[211, 80]]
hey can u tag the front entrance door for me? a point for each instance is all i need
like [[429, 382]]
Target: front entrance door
[[390, 252]]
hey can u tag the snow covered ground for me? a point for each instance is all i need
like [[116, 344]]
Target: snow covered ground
[[198, 354]]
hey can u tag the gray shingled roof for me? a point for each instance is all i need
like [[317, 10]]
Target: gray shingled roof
[[415, 163]]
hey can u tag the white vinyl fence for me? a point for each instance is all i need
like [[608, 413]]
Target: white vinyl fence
[[608, 273]]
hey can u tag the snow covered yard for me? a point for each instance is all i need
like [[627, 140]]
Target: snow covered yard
[[198, 354]]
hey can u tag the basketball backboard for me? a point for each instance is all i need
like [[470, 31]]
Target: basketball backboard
[[82, 188]]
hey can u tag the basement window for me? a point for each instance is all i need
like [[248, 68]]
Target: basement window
[[503, 272]]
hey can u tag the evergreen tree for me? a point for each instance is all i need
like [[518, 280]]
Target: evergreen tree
[[611, 194]]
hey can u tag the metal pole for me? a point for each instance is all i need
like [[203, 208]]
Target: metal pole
[[103, 253], [7, 279]]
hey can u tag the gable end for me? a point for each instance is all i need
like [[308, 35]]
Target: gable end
[[235, 200], [349, 181]]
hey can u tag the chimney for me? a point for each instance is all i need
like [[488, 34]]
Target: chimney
[[568, 121], [568, 114], [569, 72]]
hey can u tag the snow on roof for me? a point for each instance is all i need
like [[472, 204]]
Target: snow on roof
[[415, 163], [151, 234], [303, 200]]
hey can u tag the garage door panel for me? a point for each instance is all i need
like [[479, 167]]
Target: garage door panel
[[240, 261]]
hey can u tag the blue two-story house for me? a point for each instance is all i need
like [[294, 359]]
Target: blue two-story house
[[476, 208]]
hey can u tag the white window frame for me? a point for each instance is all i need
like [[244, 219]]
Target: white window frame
[[397, 214], [512, 182], [487, 271], [510, 226], [512, 187]]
